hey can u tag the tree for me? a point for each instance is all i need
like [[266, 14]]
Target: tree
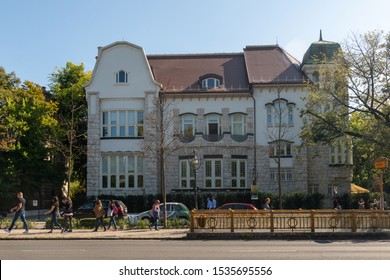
[[350, 100], [279, 134], [71, 136], [355, 81], [27, 121], [160, 139], [8, 83]]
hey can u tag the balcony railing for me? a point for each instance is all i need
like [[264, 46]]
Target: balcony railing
[[289, 220]]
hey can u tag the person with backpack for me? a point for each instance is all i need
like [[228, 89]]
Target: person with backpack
[[121, 211]]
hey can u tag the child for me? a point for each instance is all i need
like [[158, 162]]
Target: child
[[99, 214]]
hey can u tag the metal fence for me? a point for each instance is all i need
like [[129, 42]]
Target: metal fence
[[289, 220]]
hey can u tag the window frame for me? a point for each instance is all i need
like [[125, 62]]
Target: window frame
[[185, 120], [238, 176], [241, 123], [116, 176], [219, 126], [113, 126], [215, 83], [121, 77], [212, 179]]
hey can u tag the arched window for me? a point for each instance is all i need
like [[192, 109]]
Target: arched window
[[211, 83], [280, 112], [121, 77], [213, 125], [187, 125], [238, 124]]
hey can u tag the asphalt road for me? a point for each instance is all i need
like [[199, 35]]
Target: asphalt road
[[194, 249]]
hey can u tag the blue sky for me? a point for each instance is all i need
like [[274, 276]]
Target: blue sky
[[40, 35]]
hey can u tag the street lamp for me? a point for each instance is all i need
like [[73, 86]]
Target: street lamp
[[195, 165]]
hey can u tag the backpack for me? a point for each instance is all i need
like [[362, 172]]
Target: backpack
[[120, 211]]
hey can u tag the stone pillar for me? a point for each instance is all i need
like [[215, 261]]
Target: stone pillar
[[93, 151]]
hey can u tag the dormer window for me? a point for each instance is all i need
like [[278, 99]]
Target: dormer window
[[210, 81], [121, 77]]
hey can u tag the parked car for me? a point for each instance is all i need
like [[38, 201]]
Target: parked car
[[237, 206], [86, 210], [175, 210]]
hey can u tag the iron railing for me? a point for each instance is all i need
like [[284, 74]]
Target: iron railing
[[289, 220]]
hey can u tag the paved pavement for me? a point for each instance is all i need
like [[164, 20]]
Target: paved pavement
[[89, 234]]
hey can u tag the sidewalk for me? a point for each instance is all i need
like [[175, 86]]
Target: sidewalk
[[41, 234]]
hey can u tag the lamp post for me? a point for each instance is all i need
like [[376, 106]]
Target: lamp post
[[195, 165]]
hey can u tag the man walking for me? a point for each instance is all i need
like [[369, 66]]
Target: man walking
[[19, 210]]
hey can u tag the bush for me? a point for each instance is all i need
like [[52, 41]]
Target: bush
[[5, 223]]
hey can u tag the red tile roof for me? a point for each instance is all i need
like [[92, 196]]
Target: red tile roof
[[256, 65], [272, 65], [182, 72]]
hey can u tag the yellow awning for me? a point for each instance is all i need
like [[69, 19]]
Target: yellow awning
[[358, 189]]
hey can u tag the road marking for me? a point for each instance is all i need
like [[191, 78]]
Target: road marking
[[262, 250], [53, 250]]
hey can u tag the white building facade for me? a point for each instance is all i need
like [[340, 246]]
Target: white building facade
[[240, 112]]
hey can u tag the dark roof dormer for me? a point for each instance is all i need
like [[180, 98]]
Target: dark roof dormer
[[210, 81]]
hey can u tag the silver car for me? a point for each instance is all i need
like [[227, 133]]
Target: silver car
[[175, 210]]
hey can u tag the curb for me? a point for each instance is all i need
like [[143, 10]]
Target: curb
[[289, 236]]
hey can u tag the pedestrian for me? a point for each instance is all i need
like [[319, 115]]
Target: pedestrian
[[336, 204], [99, 214], [55, 212], [155, 213], [209, 203], [361, 203], [214, 202], [67, 214], [112, 213], [266, 205], [20, 212]]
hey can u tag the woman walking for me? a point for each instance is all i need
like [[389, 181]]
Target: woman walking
[[68, 215], [99, 214], [155, 212], [54, 211]]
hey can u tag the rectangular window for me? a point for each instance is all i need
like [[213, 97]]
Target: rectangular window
[[290, 116], [122, 172], [187, 174], [187, 125], [238, 124], [338, 153], [238, 173], [269, 116], [285, 175], [284, 149], [122, 124], [213, 173]]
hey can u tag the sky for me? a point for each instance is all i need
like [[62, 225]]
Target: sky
[[39, 37]]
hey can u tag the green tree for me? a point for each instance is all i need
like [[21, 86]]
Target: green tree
[[27, 119], [351, 100], [71, 136], [355, 81]]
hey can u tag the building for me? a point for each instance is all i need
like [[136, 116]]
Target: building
[[240, 112]]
